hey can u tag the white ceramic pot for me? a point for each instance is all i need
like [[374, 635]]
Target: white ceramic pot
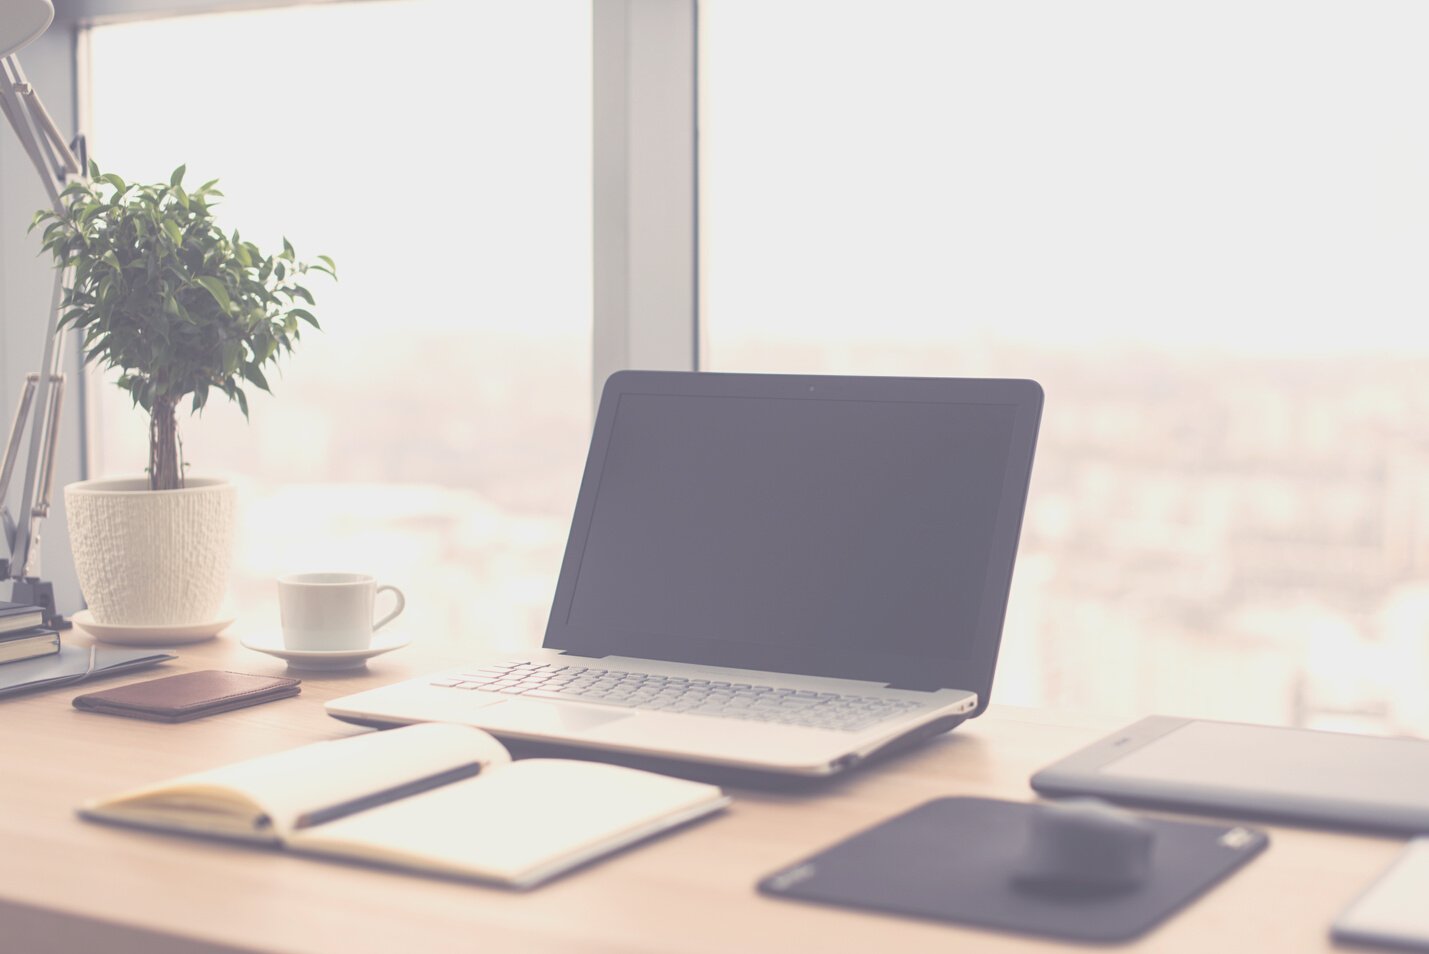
[[152, 557]]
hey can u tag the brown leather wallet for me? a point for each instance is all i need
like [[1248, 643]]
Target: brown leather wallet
[[187, 695]]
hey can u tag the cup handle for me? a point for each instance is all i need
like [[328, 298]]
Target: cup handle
[[401, 605]]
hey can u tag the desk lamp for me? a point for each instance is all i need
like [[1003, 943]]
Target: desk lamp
[[42, 393]]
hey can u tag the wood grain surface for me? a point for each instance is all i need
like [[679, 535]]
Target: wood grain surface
[[69, 885]]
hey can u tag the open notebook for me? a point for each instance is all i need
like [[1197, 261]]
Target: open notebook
[[433, 797]]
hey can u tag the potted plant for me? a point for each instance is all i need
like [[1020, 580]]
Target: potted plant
[[184, 312]]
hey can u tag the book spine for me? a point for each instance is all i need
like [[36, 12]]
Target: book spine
[[30, 646]]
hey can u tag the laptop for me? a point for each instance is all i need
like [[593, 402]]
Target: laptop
[[769, 572]]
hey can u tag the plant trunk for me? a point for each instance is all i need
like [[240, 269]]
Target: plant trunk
[[166, 466]]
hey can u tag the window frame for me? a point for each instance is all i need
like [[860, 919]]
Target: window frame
[[646, 215]]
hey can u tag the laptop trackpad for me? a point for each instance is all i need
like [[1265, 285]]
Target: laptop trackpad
[[528, 715]]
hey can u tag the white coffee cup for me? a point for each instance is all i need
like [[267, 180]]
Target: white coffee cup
[[331, 611]]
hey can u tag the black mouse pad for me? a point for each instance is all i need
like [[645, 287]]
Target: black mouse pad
[[953, 859]]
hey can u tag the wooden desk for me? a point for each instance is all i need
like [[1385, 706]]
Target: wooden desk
[[68, 885]]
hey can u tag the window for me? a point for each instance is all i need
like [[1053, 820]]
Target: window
[[1204, 229], [439, 150]]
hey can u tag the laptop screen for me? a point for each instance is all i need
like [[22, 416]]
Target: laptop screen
[[807, 525]]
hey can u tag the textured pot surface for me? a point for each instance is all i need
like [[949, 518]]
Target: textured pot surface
[[152, 557]]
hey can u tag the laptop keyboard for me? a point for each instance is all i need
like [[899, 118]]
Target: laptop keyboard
[[706, 697]]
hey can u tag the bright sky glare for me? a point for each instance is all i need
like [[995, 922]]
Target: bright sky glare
[[426, 145], [1248, 175]]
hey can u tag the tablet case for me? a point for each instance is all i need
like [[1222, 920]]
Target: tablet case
[[188, 695], [952, 859]]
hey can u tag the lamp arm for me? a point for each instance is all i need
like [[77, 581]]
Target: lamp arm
[[63, 160], [49, 456], [44, 441], [35, 129], [12, 448], [42, 400]]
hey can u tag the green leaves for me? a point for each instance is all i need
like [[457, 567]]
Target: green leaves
[[306, 315], [252, 372], [163, 294], [216, 289]]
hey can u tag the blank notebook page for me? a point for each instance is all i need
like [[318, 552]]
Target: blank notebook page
[[515, 821]]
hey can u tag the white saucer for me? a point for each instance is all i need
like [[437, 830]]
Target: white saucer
[[325, 659], [149, 635]]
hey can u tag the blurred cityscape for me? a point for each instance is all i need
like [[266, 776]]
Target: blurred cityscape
[[1225, 537], [1220, 536]]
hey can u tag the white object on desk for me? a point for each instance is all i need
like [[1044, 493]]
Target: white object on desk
[[153, 558], [433, 798], [328, 660], [327, 611], [150, 635], [1393, 911]]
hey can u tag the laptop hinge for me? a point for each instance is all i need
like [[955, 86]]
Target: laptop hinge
[[572, 652], [913, 687]]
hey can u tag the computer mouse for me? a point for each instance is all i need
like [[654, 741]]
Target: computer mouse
[[1084, 847]]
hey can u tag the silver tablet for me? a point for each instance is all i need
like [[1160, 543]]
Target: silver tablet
[[1295, 775]]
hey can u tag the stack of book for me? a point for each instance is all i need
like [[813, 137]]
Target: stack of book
[[23, 634]]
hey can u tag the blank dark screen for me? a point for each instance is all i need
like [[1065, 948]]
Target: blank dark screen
[[848, 525]]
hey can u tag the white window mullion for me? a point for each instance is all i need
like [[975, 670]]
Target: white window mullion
[[645, 216]]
